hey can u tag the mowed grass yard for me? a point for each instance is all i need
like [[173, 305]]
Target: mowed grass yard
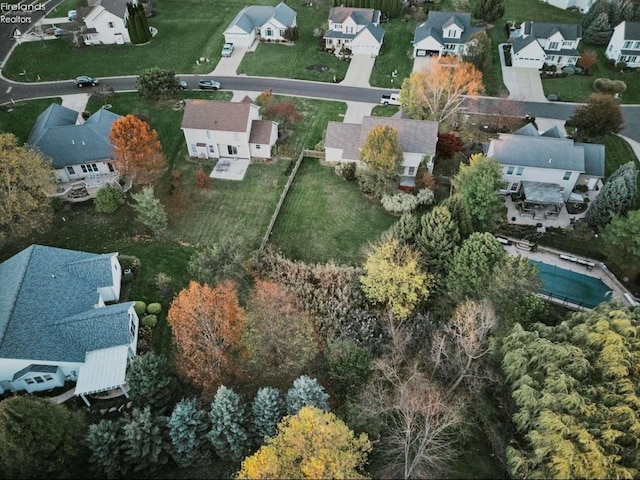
[[187, 30], [577, 88], [325, 217], [20, 117], [396, 54]]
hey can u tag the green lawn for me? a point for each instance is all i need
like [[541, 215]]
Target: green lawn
[[285, 61], [186, 32], [617, 152], [384, 110], [396, 54], [63, 9], [20, 117], [325, 217], [577, 88]]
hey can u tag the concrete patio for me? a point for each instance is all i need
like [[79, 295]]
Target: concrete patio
[[230, 169]]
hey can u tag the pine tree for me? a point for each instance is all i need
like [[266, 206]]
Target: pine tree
[[149, 209], [268, 409], [142, 23], [438, 240], [617, 197], [152, 382], [459, 210], [406, 229], [106, 443], [600, 30], [145, 444], [188, 428], [227, 416], [598, 7], [489, 10], [132, 27], [306, 391]]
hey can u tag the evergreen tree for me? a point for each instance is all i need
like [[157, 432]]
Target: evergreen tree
[[438, 240], [145, 444], [227, 415], [622, 237], [143, 24], [406, 229], [268, 409], [617, 197], [106, 443], [457, 206], [152, 382], [598, 7], [600, 30], [188, 428], [489, 10], [132, 27], [149, 209], [306, 391]]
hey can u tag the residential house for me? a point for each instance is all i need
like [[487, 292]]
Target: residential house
[[81, 154], [59, 322], [547, 158], [227, 129], [354, 30], [444, 33], [534, 44], [106, 22], [624, 45], [258, 21], [582, 5], [417, 138]]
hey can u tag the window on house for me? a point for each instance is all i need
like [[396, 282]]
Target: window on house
[[567, 43], [28, 381], [520, 171], [232, 149], [510, 170], [567, 176], [627, 44], [111, 25], [411, 171], [553, 46], [610, 48], [111, 168], [514, 187], [71, 171], [132, 329], [193, 148], [268, 32], [48, 378], [39, 379], [257, 147], [208, 134], [212, 149]]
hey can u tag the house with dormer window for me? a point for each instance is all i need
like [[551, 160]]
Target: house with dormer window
[[535, 44], [444, 33], [260, 21], [60, 321], [354, 31], [624, 45]]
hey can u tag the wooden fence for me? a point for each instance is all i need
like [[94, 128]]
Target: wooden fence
[[274, 217], [313, 153]]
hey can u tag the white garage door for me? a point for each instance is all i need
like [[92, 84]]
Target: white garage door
[[421, 53], [239, 39], [527, 62], [365, 49]]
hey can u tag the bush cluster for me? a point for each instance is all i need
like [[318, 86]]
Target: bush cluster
[[605, 85], [406, 202]]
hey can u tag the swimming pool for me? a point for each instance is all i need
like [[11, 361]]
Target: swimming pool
[[571, 286]]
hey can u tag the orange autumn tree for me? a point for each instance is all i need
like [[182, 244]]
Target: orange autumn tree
[[207, 325], [137, 150], [437, 92]]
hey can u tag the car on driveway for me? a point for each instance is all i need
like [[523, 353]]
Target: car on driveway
[[85, 81], [227, 50], [209, 85], [183, 85], [60, 32]]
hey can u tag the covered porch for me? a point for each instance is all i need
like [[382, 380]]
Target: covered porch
[[539, 199], [103, 370]]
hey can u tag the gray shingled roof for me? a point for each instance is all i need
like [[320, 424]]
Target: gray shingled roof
[[48, 306], [632, 30], [361, 16], [57, 136], [375, 30], [251, 17], [415, 136], [528, 148], [117, 7], [436, 21], [518, 43], [261, 131], [553, 132], [545, 30]]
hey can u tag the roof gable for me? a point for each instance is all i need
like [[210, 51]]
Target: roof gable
[[220, 116], [438, 21], [361, 16], [255, 16], [546, 30]]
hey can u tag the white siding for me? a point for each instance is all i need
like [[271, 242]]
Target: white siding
[[239, 38], [10, 366], [428, 43], [100, 19], [545, 175], [333, 154], [66, 176]]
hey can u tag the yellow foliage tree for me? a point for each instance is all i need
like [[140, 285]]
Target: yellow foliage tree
[[381, 150], [393, 277], [311, 444], [436, 93]]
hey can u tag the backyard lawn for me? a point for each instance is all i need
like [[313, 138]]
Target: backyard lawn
[[617, 152], [577, 88], [395, 54], [185, 33], [325, 217]]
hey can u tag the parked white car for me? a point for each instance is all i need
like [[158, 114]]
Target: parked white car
[[392, 99], [227, 50]]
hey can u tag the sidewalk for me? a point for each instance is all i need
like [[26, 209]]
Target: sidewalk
[[635, 146]]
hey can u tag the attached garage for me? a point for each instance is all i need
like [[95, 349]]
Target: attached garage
[[420, 52], [240, 39]]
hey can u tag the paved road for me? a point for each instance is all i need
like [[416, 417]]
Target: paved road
[[557, 110]]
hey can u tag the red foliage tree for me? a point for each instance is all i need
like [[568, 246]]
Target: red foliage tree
[[588, 59], [203, 180], [137, 150], [448, 145], [207, 325], [283, 112]]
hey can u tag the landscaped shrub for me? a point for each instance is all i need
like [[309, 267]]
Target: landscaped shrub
[[348, 171], [140, 307], [405, 202], [569, 70], [621, 66], [606, 85], [150, 321], [109, 199], [163, 282], [154, 308], [203, 181]]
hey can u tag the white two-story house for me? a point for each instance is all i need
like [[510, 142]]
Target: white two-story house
[[417, 138], [547, 158], [260, 21], [106, 23], [227, 129], [535, 44], [59, 322], [624, 45], [582, 5], [81, 154], [354, 30], [444, 33]]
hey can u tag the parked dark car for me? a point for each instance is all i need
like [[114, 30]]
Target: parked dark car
[[85, 81], [60, 32], [209, 85]]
